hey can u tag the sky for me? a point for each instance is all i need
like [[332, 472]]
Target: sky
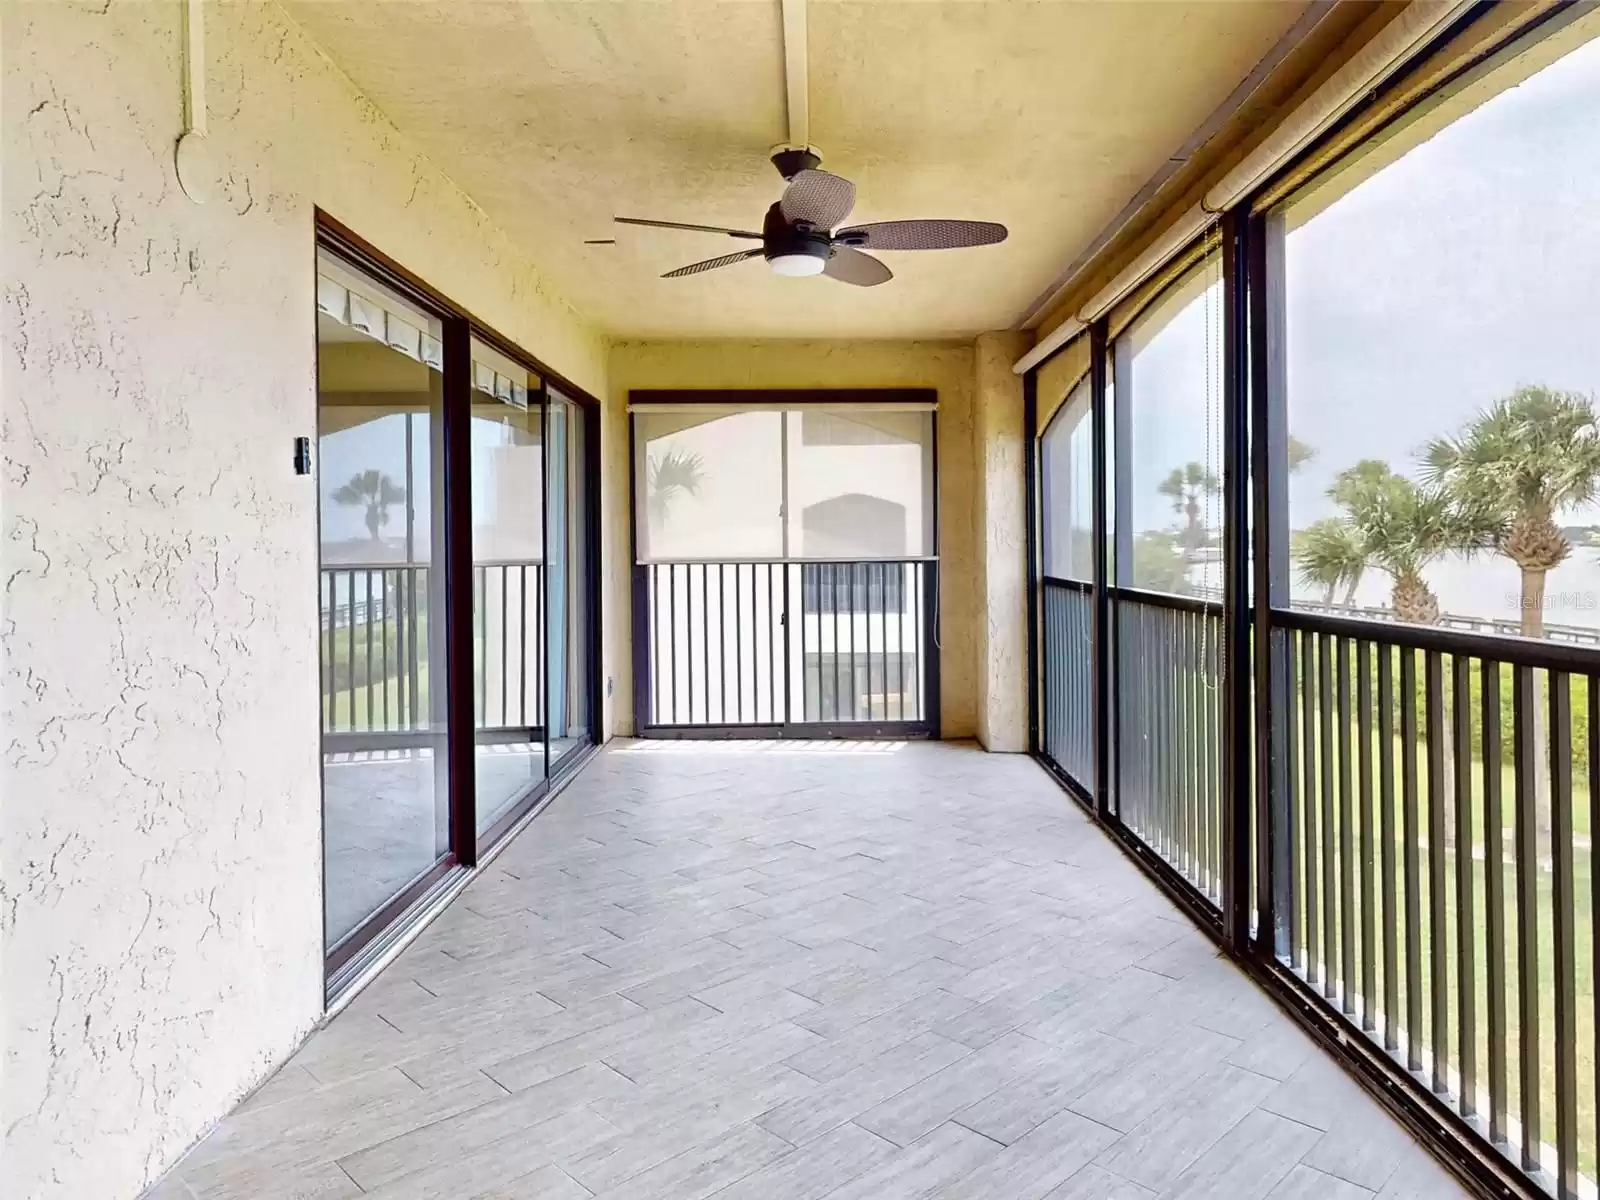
[[1466, 268]]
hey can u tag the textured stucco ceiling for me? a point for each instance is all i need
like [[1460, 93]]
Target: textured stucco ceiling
[[555, 116]]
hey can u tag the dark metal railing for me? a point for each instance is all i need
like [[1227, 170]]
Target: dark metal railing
[[1067, 668], [1435, 799], [375, 648], [751, 643], [1168, 687]]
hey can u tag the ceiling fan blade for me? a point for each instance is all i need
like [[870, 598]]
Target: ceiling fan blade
[[922, 235], [711, 264], [819, 199], [852, 266], [738, 233]]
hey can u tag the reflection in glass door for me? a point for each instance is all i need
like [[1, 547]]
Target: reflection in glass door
[[509, 586], [380, 405], [567, 581]]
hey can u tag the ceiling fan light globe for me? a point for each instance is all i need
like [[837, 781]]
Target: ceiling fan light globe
[[796, 265]]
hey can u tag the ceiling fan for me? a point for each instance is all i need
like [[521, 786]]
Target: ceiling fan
[[801, 234]]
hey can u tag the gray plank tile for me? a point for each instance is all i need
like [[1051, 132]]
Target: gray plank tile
[[1156, 1152], [1097, 1183], [849, 1095], [919, 1170], [706, 1168], [1248, 1161], [546, 1183], [816, 1169], [1307, 1183], [1078, 1066], [467, 1133], [923, 1107], [897, 958], [1037, 1163]]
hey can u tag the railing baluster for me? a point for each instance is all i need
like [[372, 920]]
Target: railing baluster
[[722, 641], [1494, 901], [1410, 803], [855, 691], [383, 649], [421, 627], [1293, 719], [505, 643], [672, 638], [522, 645], [1466, 925], [1564, 907], [1386, 832], [738, 637], [350, 646], [1438, 919], [1184, 789], [1347, 840], [1592, 709], [833, 607], [772, 644], [481, 658], [1315, 966], [1369, 958], [1524, 697], [705, 638], [1329, 799], [922, 639]]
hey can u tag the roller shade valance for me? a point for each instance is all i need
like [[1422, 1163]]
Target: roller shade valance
[[349, 298]]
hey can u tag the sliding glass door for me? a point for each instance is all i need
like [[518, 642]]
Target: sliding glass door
[[380, 428], [509, 567], [568, 585], [457, 594], [786, 575]]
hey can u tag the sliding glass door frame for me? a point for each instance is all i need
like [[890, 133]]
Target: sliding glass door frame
[[350, 957]]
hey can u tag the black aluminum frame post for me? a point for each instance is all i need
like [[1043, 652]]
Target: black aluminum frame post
[[1100, 638], [1030, 469], [458, 567], [1236, 740]]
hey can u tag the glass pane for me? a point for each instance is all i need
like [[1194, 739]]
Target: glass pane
[[1439, 304], [380, 515], [508, 582], [568, 573], [1169, 384], [710, 484], [1066, 478], [860, 484]]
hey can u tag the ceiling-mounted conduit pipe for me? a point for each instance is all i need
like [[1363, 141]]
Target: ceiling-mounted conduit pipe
[[796, 92], [192, 158], [1416, 25]]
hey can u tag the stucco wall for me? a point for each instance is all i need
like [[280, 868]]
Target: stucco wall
[[1001, 542], [946, 367], [160, 870]]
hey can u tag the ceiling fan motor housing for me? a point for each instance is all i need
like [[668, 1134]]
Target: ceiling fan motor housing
[[781, 240], [791, 160]]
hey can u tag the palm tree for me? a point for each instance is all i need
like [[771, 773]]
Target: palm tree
[[1390, 524], [1299, 454], [1331, 554], [1513, 469], [674, 472], [377, 492], [1184, 487]]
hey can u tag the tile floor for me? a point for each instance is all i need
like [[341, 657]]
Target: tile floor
[[774, 972]]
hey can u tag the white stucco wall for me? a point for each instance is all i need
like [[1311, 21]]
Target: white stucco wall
[[160, 908], [1001, 536]]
